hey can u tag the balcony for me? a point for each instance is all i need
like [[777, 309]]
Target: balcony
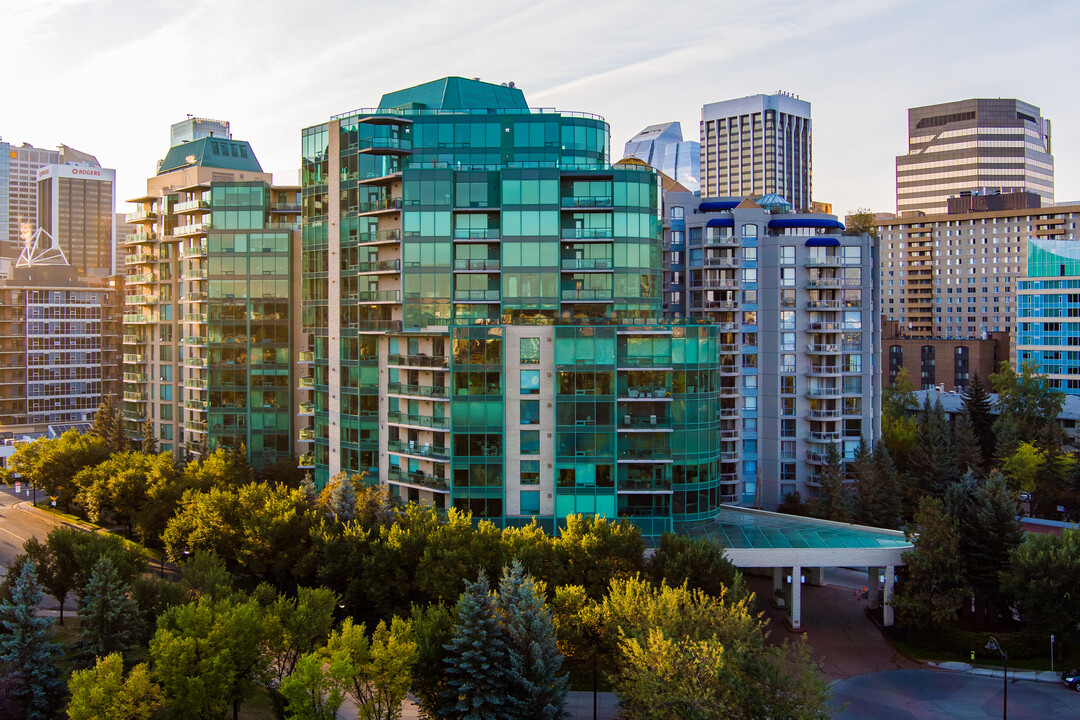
[[135, 377], [140, 238], [195, 318], [134, 340], [420, 360], [400, 418], [195, 274], [191, 206], [379, 206], [199, 405], [825, 305], [720, 305], [140, 258], [587, 264], [138, 319], [825, 414], [193, 229], [728, 262], [307, 460], [586, 295], [397, 475], [306, 383], [602, 202], [196, 383], [826, 326], [588, 233], [135, 397], [426, 391], [827, 261], [477, 295], [305, 408], [140, 279], [306, 435], [643, 422], [645, 392], [306, 357], [136, 358], [196, 250], [476, 233], [140, 300], [199, 362], [477, 265], [378, 296], [383, 145], [825, 392], [141, 216], [379, 237], [826, 369], [426, 450], [821, 348], [196, 296], [195, 340], [379, 267], [825, 437], [720, 284]]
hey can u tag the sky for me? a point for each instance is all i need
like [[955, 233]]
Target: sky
[[109, 76]]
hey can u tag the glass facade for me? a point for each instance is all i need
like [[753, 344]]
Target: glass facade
[[1048, 313]]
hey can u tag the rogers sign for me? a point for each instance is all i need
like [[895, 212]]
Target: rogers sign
[[77, 171]]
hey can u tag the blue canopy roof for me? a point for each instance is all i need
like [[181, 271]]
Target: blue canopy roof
[[806, 222], [717, 205], [720, 222], [822, 242]]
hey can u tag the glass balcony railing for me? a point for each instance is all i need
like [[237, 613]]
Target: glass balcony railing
[[397, 475], [419, 360], [306, 435], [587, 264], [430, 391], [306, 356], [306, 408], [383, 205], [307, 460], [191, 205], [476, 233], [140, 216], [586, 295], [306, 383], [139, 258], [380, 266], [477, 295], [587, 201], [588, 233], [379, 296], [484, 265], [400, 418], [193, 229], [427, 450]]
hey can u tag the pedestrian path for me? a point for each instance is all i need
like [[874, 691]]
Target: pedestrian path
[[1042, 676], [579, 706]]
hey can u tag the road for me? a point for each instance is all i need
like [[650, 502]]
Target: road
[[924, 694], [16, 525]]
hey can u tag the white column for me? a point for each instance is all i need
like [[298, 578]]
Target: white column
[[887, 612], [815, 576], [873, 598], [778, 585], [796, 598]]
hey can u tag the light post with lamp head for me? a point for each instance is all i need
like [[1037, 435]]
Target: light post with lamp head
[[995, 645]]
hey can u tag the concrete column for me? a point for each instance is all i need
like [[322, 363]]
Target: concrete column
[[873, 597], [888, 610], [815, 576], [796, 598], [778, 584]]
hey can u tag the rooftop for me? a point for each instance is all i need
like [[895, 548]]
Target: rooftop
[[455, 93], [211, 152]]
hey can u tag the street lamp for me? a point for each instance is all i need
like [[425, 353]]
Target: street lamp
[[995, 645]]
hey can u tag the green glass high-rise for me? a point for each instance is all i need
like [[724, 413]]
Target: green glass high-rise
[[483, 291]]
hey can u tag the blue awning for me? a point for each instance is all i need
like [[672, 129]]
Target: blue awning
[[822, 242], [717, 205], [806, 222], [720, 222]]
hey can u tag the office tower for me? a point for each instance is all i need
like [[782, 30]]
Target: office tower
[[208, 332], [59, 341], [21, 188], [196, 128], [663, 147], [980, 146], [794, 302], [757, 145], [484, 294], [75, 208], [6, 155], [953, 275], [1048, 312]]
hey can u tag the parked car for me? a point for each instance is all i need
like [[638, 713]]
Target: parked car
[[1071, 678]]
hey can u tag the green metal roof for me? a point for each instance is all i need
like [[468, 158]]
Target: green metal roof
[[456, 93], [211, 152], [733, 528]]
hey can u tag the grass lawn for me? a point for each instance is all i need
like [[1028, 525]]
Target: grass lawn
[[257, 706]]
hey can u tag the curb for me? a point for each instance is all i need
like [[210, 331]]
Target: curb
[[1039, 676]]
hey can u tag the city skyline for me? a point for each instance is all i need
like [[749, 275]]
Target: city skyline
[[860, 67]]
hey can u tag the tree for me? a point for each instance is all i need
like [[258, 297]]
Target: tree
[[1027, 398], [593, 551], [969, 457], [936, 585], [1021, 469], [377, 673], [338, 499], [685, 654], [1052, 481], [887, 509], [433, 628], [476, 659], [295, 626], [52, 463], [933, 464], [222, 469], [149, 444], [27, 654], [1042, 577], [698, 563], [977, 404], [898, 425], [108, 616], [793, 504], [537, 687], [109, 424], [140, 490], [209, 655], [861, 221], [315, 689], [835, 501], [986, 515], [102, 692]]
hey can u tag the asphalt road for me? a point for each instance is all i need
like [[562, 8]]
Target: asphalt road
[[16, 525], [925, 694]]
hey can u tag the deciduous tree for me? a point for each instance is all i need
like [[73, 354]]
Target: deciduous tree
[[103, 693]]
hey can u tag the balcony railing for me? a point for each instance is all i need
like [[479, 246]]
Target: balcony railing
[[307, 460], [139, 258], [586, 295], [306, 383], [427, 450], [400, 418], [397, 475], [476, 233], [383, 205], [431, 391], [481, 265], [380, 266], [191, 205], [140, 216], [379, 296], [431, 361], [194, 229], [588, 233], [587, 201], [587, 264], [305, 408], [477, 295], [306, 356], [306, 434]]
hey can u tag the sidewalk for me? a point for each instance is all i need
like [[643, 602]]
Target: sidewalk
[[579, 706], [1041, 676]]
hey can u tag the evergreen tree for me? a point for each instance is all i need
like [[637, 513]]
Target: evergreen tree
[[476, 659], [338, 499], [936, 585], [1006, 439], [793, 505], [105, 419], [864, 472], [969, 457], [27, 654], [835, 501], [977, 404], [149, 439], [889, 506], [933, 465], [107, 614], [537, 689]]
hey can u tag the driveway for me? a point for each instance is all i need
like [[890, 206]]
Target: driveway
[[925, 694]]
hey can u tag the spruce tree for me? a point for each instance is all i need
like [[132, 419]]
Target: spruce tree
[[107, 614], [27, 654], [889, 507], [338, 499], [835, 502], [149, 439], [969, 457], [865, 500], [105, 418], [476, 659], [537, 688], [977, 404], [933, 466]]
